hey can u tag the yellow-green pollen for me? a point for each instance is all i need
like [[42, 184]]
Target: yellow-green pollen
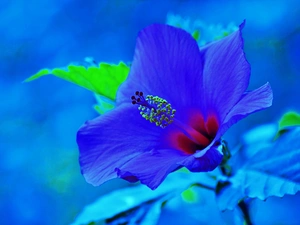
[[154, 109]]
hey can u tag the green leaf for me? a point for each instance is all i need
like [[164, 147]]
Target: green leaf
[[104, 79], [189, 195], [273, 171], [39, 74], [289, 119], [196, 35]]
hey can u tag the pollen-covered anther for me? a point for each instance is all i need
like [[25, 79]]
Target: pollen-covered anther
[[154, 109]]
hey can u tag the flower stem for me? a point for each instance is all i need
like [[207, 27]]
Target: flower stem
[[245, 210], [204, 186], [226, 171]]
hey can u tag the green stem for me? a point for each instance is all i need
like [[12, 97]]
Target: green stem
[[226, 171], [245, 210]]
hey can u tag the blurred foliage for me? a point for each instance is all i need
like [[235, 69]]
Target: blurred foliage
[[201, 31], [272, 171]]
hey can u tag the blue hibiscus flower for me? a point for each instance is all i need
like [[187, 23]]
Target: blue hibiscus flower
[[172, 110]]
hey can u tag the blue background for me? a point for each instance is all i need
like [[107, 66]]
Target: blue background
[[40, 176]]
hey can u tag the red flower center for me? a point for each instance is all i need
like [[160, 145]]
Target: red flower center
[[201, 134]]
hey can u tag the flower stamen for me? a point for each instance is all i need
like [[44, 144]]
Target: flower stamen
[[154, 109]]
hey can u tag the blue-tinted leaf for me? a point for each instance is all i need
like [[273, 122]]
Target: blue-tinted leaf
[[136, 203], [147, 213], [261, 134], [228, 195], [252, 142], [273, 171]]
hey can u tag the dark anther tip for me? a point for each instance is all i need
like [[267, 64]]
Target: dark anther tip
[[133, 102], [137, 92], [138, 100], [141, 94], [132, 97]]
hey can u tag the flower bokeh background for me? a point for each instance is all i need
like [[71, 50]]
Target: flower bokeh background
[[41, 181]]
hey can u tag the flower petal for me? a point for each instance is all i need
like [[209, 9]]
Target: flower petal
[[151, 168], [111, 140], [211, 158], [226, 73], [251, 102], [167, 63]]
